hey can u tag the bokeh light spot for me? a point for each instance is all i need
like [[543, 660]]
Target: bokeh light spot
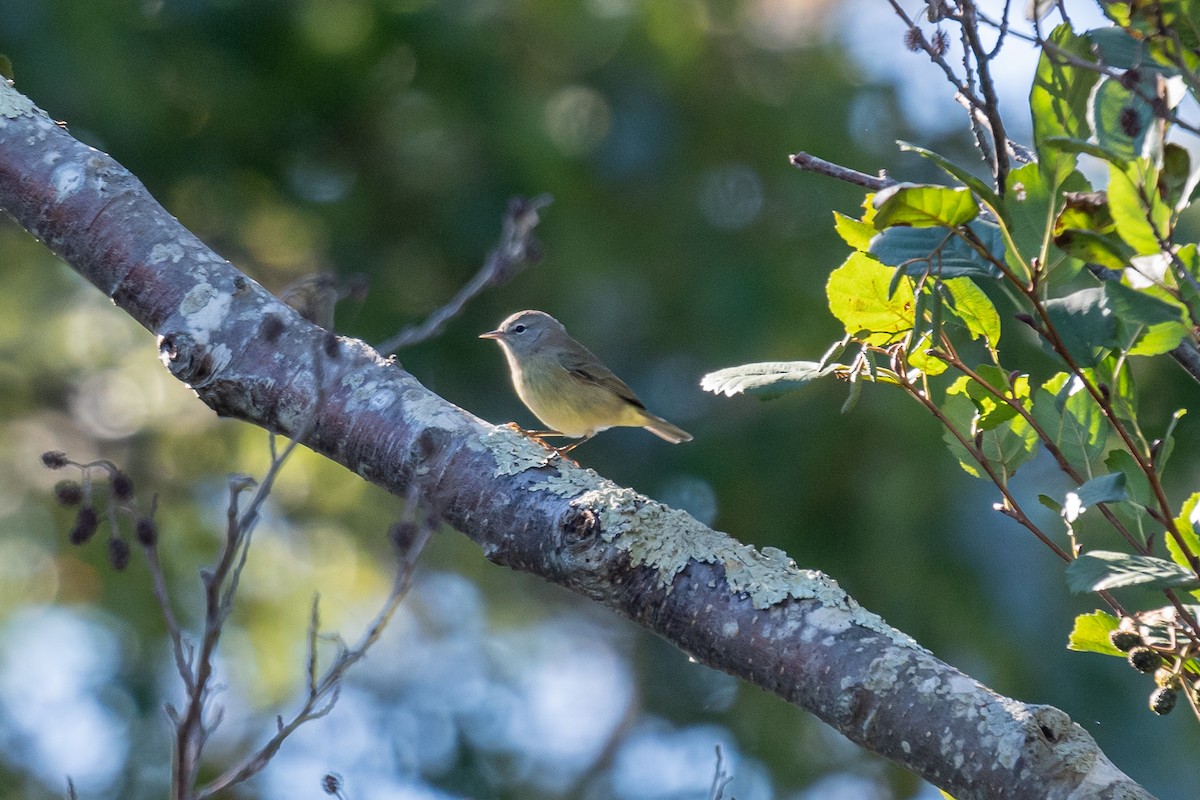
[[731, 196], [577, 119]]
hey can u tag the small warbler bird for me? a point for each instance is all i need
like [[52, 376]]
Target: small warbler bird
[[566, 386]]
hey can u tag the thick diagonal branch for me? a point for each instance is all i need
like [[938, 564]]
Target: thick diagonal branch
[[753, 614]]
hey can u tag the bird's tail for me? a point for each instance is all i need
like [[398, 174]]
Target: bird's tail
[[665, 430]]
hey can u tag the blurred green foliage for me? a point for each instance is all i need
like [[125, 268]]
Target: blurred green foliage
[[384, 137]]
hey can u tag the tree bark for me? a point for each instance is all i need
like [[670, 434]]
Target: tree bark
[[752, 613]]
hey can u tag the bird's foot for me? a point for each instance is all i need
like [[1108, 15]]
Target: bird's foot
[[537, 437]]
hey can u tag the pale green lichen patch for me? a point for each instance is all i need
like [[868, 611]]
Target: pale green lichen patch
[[667, 539], [515, 453], [426, 410], [566, 482], [13, 104]]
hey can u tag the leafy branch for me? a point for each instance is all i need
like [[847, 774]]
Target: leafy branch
[[1097, 272]]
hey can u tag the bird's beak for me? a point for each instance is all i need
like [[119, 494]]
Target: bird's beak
[[492, 335]]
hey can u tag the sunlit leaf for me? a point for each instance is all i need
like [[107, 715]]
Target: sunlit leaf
[[1185, 523], [1146, 326], [923, 206], [1087, 210], [1091, 632], [1105, 249], [1058, 102], [982, 190], [1005, 447], [1140, 216], [993, 411], [855, 233], [975, 310], [778, 376], [859, 297], [1027, 204], [1189, 257], [1103, 570], [920, 359]]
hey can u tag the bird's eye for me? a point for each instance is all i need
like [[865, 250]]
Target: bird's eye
[[518, 329]]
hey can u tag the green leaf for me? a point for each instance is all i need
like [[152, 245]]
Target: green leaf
[[1146, 326], [1116, 48], [1084, 323], [1087, 210], [1069, 415], [778, 376], [1137, 487], [859, 297], [1185, 523], [1189, 257], [939, 251], [1168, 441], [1102, 570], [855, 233], [1123, 122], [982, 190], [1050, 503], [1114, 377], [975, 309], [1058, 102], [924, 206], [1090, 634], [1105, 249], [1027, 203], [1006, 446], [1136, 207], [1063, 144], [1103, 489], [990, 411], [1177, 180]]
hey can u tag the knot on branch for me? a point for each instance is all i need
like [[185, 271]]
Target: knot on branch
[[580, 527], [1053, 724], [589, 563], [191, 362]]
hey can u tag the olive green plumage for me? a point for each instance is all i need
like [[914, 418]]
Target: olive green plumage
[[566, 386]]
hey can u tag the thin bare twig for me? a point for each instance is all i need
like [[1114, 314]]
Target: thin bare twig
[[322, 693], [810, 163], [517, 247], [721, 778], [991, 101], [1010, 507]]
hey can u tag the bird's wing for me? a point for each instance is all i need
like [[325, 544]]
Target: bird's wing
[[588, 369]]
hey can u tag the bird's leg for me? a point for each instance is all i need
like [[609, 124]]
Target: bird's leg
[[535, 435], [562, 451], [558, 451]]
